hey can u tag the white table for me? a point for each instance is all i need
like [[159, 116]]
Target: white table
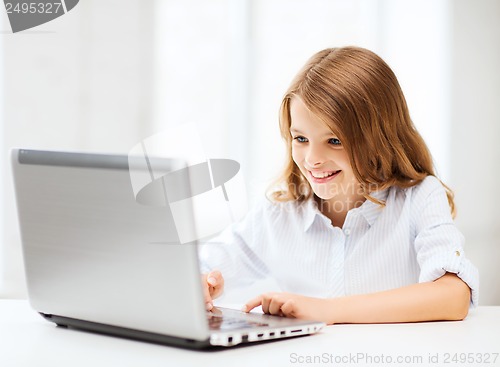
[[28, 340]]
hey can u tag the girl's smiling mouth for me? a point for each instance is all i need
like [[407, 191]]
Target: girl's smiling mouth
[[323, 176]]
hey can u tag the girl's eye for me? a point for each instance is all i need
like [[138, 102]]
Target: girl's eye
[[300, 139], [334, 141]]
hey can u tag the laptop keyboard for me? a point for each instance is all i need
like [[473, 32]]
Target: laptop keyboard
[[224, 322]]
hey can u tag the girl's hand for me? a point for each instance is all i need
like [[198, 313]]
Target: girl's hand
[[213, 286], [292, 305]]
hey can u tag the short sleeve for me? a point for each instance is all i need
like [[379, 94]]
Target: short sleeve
[[439, 244]]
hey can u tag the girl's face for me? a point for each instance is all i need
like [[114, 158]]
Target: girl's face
[[321, 158]]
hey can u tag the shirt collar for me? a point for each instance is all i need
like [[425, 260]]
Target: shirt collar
[[310, 212], [369, 210]]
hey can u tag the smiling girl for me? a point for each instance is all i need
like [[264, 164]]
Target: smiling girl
[[360, 229]]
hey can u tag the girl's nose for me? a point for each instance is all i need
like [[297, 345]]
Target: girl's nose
[[314, 157]]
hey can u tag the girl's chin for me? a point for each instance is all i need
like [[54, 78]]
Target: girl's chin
[[324, 195], [325, 198]]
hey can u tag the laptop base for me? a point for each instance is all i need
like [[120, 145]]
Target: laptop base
[[127, 333]]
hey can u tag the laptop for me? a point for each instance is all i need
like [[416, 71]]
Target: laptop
[[97, 259]]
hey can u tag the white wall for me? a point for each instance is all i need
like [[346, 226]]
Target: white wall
[[2, 162], [475, 130], [416, 42], [81, 82]]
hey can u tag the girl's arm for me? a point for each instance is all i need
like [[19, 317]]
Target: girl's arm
[[446, 298]]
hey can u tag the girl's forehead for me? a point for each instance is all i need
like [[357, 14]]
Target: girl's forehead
[[300, 113], [303, 116], [307, 121]]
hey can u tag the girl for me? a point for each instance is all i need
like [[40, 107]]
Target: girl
[[360, 229]]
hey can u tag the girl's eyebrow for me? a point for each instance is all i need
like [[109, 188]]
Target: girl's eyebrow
[[293, 130]]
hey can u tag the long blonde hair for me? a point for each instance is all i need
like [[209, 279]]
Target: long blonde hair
[[356, 94]]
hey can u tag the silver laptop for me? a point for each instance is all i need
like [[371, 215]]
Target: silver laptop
[[96, 259]]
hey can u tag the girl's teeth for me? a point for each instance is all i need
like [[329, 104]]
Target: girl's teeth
[[323, 175]]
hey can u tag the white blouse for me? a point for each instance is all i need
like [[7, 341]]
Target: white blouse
[[412, 239]]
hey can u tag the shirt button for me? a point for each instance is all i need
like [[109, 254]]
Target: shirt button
[[457, 253], [347, 231]]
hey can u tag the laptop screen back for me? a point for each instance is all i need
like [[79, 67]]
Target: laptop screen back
[[92, 252]]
